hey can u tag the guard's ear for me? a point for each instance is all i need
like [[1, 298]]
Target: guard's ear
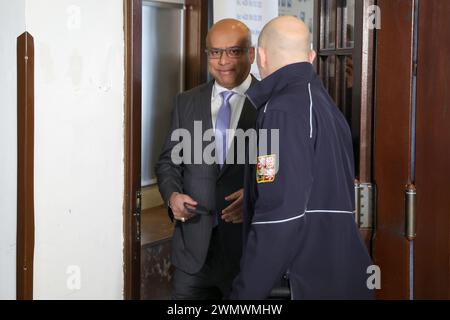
[[312, 56], [262, 62]]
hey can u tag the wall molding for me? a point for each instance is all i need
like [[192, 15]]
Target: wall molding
[[25, 167]]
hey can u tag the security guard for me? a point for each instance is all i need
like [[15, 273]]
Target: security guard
[[299, 197]]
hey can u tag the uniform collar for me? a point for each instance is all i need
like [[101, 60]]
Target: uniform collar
[[260, 93], [241, 89]]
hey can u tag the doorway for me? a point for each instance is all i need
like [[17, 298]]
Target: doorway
[[341, 20], [163, 55], [147, 229]]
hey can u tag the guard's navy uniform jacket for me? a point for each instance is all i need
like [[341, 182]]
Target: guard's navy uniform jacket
[[299, 220]]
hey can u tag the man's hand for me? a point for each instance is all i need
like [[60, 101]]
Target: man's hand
[[233, 213], [178, 203]]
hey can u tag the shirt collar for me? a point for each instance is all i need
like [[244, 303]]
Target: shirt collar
[[240, 90]]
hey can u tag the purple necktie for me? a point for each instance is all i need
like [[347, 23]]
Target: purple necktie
[[222, 124]]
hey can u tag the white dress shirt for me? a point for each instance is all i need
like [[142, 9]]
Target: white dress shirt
[[236, 104]]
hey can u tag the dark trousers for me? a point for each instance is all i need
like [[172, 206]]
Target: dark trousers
[[213, 281]]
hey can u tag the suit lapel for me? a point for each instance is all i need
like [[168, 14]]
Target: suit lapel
[[205, 106], [247, 119]]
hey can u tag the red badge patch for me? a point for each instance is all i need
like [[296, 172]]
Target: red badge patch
[[265, 169]]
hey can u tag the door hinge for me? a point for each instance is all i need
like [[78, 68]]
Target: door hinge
[[137, 214], [410, 207], [364, 204]]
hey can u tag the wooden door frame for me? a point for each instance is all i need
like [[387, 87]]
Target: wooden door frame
[[133, 77], [367, 97], [195, 74], [366, 41], [196, 31]]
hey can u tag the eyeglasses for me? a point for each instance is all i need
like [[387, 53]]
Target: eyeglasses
[[232, 52]]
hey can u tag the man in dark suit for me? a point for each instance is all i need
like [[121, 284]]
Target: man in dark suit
[[206, 199]]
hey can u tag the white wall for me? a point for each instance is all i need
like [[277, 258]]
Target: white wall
[[12, 24], [79, 147]]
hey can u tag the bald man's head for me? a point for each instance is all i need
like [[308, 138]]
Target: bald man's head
[[283, 41], [230, 54], [230, 27]]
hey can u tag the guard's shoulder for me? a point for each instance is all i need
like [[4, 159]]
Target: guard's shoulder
[[293, 100]]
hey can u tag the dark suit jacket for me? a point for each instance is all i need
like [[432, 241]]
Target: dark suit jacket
[[205, 183]]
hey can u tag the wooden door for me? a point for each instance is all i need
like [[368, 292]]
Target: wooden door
[[412, 139], [432, 166], [392, 152]]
